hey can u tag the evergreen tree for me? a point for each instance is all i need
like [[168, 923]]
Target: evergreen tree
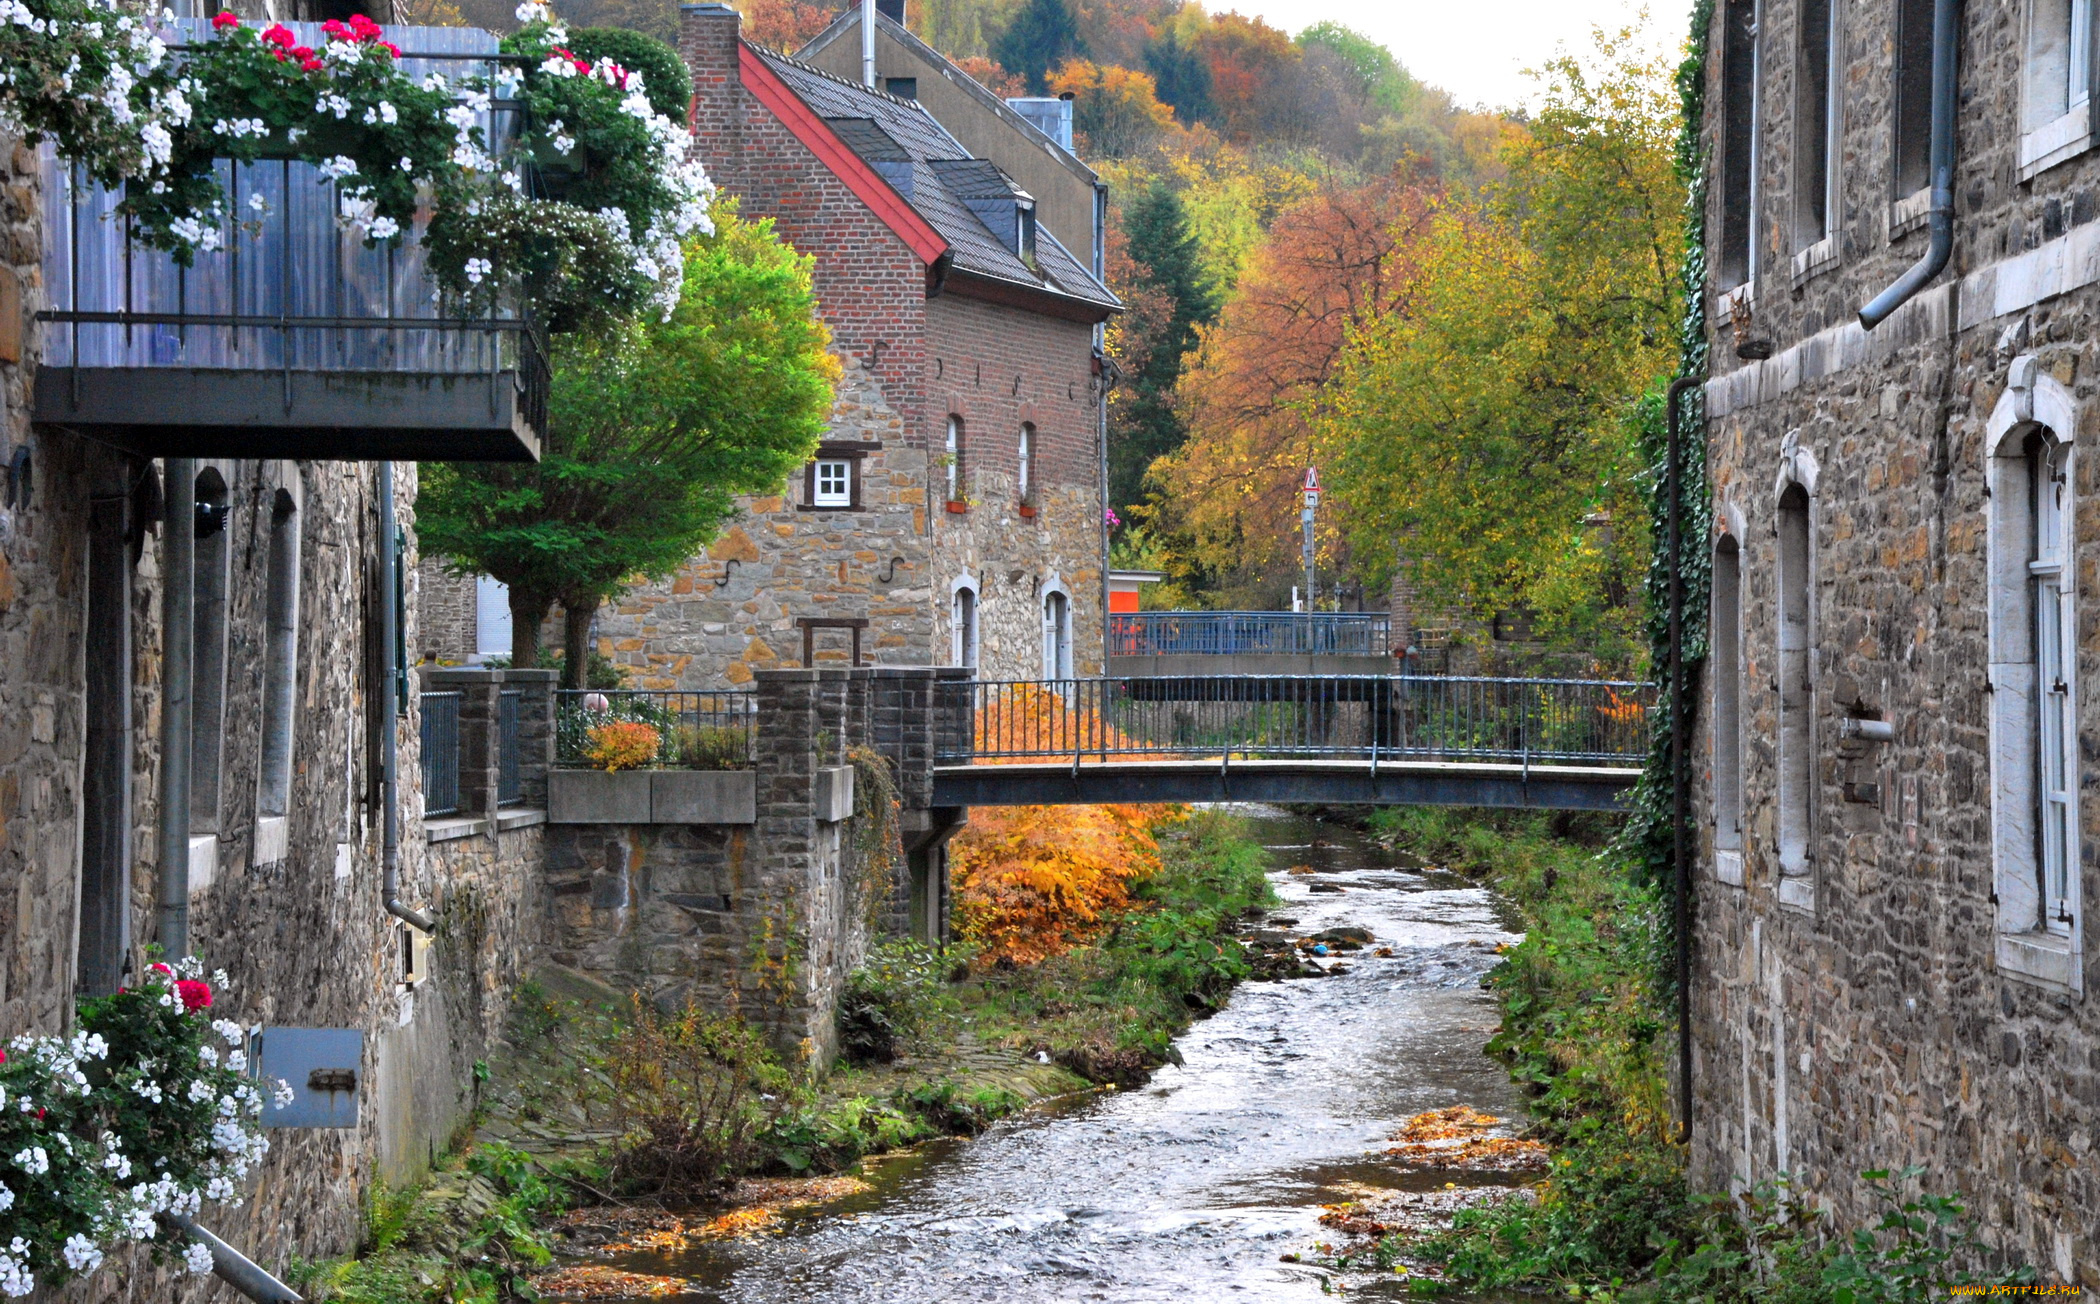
[[1145, 425], [1042, 35], [1183, 78]]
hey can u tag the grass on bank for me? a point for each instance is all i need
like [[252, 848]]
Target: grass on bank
[[1586, 1028]]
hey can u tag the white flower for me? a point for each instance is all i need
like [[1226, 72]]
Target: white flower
[[33, 1160], [81, 1254], [199, 1089], [229, 1031], [259, 204], [335, 169], [333, 103], [282, 1093], [197, 1258], [476, 269], [237, 1061], [7, 1198], [218, 1188], [562, 144], [15, 1278], [207, 1057], [382, 228], [408, 164], [117, 1163], [531, 11]]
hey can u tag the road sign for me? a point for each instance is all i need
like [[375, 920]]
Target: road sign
[[1312, 479]]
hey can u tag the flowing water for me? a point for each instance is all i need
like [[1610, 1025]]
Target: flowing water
[[1192, 1187]]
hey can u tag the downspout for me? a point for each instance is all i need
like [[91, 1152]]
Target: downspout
[[390, 634], [1940, 217], [1680, 772], [178, 598], [867, 43], [234, 1268]]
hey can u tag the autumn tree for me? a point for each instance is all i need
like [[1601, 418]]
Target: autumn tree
[[1162, 268], [652, 432], [785, 25], [1042, 35], [1489, 424], [1116, 112], [1330, 268]]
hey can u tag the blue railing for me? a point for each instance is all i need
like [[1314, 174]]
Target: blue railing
[[1242, 633], [1588, 722], [441, 753]]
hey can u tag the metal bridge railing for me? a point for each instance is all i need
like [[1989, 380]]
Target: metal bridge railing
[[696, 731], [1236, 633], [1593, 722]]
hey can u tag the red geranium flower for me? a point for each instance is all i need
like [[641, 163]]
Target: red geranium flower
[[195, 995], [302, 52], [278, 34], [225, 19], [334, 30], [390, 48], [157, 967], [311, 64]]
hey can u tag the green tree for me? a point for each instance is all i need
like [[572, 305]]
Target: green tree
[[1380, 81], [652, 432], [1183, 78], [1165, 266], [1042, 35]]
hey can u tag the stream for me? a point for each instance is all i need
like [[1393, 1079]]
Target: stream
[[1193, 1186]]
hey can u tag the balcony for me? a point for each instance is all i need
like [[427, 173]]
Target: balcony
[[294, 340]]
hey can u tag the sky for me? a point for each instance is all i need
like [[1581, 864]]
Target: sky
[[1476, 49]]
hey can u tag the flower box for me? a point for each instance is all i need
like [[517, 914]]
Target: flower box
[[831, 792], [958, 508], [598, 796], [1027, 510], [703, 797]]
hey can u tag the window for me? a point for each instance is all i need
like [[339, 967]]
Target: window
[[1816, 118], [1913, 151], [1026, 473], [1796, 691], [904, 88], [280, 656], [953, 459], [833, 484], [2057, 73], [963, 627], [1057, 636], [2035, 847], [1739, 131], [1725, 655], [208, 651]]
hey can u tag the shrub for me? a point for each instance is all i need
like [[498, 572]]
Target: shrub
[[1033, 881], [897, 996], [710, 747], [622, 745], [690, 1093]]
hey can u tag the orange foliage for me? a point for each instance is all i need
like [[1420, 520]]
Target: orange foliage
[[1115, 111], [1032, 881], [1252, 67], [622, 744], [785, 25], [988, 74]]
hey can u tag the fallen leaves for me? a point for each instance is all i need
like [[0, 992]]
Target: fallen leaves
[[595, 1281], [1462, 1137]]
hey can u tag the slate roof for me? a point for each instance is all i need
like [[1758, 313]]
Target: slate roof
[[889, 133]]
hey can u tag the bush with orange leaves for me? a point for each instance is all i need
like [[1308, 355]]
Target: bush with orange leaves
[[622, 744]]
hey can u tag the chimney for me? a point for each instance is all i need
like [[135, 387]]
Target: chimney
[[892, 10], [709, 42]]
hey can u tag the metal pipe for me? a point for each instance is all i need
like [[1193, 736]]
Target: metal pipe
[[234, 1268], [1680, 776], [867, 43], [178, 598], [1940, 217], [390, 634]]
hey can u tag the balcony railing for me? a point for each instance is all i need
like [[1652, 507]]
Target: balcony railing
[[293, 325], [441, 753], [699, 731], [510, 770], [1244, 633]]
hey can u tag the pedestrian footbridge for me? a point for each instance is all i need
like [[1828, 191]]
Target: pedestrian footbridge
[[1336, 739]]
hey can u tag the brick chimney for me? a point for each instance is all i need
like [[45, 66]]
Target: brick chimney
[[708, 40]]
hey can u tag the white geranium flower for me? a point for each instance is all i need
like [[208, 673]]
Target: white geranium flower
[[199, 1090], [207, 1057], [117, 1163], [476, 269], [197, 1258], [7, 1198], [237, 1061], [382, 228], [33, 1160], [82, 1255], [229, 1031]]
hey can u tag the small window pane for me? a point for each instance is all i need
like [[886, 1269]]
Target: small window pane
[[834, 484]]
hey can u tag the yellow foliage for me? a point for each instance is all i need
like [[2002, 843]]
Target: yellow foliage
[[1032, 881], [622, 745]]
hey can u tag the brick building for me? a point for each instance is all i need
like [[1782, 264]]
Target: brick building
[[1892, 955], [953, 514]]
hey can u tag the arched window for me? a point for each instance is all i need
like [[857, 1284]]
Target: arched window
[[1796, 693], [1026, 472], [280, 656], [208, 651], [963, 627], [954, 458], [1057, 635], [1725, 667]]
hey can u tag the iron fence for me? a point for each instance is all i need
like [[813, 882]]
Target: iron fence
[[441, 753], [1233, 633], [510, 773], [1399, 717], [696, 731]]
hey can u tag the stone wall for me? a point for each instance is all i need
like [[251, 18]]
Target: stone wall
[[1870, 1021]]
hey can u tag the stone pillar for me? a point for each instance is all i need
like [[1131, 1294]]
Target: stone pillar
[[479, 690], [536, 702], [777, 904]]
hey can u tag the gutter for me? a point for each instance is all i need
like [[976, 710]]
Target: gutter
[[1940, 217], [390, 634], [178, 598]]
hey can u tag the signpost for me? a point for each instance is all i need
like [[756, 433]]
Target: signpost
[[1305, 521]]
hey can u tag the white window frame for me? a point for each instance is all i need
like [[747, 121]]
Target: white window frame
[[1796, 637], [955, 457], [964, 621], [1725, 660], [840, 492], [1057, 631], [2055, 83], [1026, 473], [2036, 845]]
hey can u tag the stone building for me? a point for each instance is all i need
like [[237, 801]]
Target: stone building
[[953, 513], [1892, 964]]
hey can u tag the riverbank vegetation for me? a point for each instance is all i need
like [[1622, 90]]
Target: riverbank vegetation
[[1587, 1026]]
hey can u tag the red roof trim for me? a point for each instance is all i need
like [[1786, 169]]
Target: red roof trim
[[865, 182]]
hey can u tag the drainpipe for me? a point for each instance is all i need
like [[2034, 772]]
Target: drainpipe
[[234, 1268], [390, 634], [867, 43], [178, 599], [1940, 217], [1680, 773]]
